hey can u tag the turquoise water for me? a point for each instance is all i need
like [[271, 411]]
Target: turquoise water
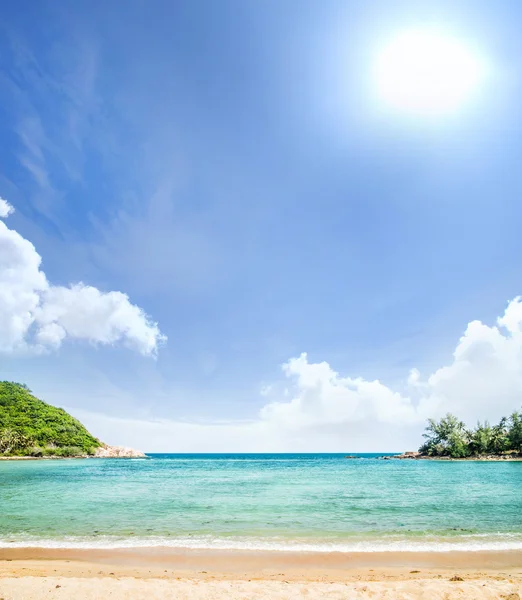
[[301, 502]]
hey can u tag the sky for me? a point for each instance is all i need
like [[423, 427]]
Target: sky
[[216, 234]]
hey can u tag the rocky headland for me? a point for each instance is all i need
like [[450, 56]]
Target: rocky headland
[[33, 429]]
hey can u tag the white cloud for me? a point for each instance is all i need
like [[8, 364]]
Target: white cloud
[[5, 208], [484, 380], [321, 397], [83, 312], [35, 315]]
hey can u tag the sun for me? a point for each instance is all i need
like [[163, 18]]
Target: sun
[[423, 72]]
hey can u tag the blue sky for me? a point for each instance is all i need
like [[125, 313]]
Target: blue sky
[[223, 164]]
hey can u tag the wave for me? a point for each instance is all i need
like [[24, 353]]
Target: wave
[[471, 543]]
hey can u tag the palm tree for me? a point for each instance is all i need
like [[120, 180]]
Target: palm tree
[[499, 437], [482, 439], [13, 441], [515, 431]]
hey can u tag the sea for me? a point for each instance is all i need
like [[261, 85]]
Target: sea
[[277, 502]]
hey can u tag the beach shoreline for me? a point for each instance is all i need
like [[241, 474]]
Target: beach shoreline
[[39, 458], [247, 561], [164, 573]]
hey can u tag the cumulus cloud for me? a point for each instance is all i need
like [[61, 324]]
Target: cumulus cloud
[[36, 315], [484, 380], [322, 397], [485, 377]]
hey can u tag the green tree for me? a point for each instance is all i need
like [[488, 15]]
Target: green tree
[[447, 437], [499, 437], [482, 439], [514, 434]]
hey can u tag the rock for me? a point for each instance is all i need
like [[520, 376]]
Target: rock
[[351, 456], [118, 452], [456, 578], [410, 455]]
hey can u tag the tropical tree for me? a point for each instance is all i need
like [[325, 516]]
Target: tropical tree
[[447, 437], [514, 434], [499, 437], [13, 441], [482, 439]]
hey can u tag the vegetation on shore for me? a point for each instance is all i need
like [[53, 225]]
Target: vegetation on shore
[[450, 437], [31, 427]]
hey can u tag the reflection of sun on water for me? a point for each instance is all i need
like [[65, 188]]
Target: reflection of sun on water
[[425, 73]]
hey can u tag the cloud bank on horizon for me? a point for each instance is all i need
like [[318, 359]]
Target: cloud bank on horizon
[[37, 316], [315, 408]]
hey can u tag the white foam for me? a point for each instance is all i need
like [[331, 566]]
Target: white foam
[[472, 543]]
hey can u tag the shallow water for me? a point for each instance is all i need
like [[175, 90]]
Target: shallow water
[[287, 502]]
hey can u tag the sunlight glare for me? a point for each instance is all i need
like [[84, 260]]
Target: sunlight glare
[[426, 73]]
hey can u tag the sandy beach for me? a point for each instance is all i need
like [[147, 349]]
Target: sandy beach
[[167, 573]]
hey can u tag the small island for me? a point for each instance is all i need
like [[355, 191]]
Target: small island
[[450, 439], [31, 428]]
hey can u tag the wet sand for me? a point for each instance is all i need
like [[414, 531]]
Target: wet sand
[[171, 573]]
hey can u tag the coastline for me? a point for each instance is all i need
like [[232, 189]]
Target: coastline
[[103, 451], [163, 573], [71, 457], [138, 454], [465, 459], [513, 457]]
